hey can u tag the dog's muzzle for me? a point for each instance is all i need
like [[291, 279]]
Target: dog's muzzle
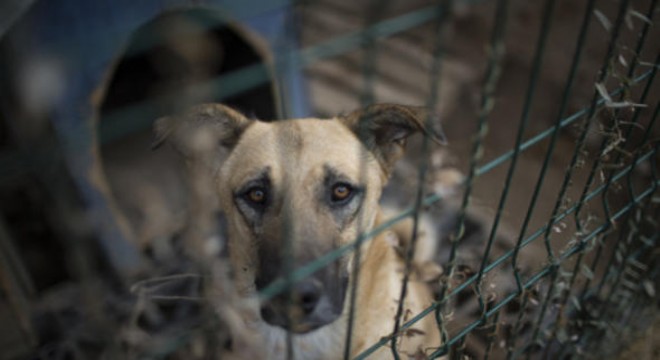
[[306, 306]]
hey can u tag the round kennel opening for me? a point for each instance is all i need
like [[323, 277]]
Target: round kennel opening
[[179, 59], [87, 44]]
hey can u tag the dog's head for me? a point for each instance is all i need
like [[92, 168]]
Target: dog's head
[[294, 190]]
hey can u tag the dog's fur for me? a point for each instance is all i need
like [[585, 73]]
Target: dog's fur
[[297, 189]]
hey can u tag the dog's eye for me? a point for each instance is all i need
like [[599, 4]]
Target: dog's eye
[[341, 192], [256, 195]]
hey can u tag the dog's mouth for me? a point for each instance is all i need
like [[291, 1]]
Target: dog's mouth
[[307, 306]]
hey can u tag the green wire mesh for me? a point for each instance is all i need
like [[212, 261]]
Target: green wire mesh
[[587, 293], [547, 325]]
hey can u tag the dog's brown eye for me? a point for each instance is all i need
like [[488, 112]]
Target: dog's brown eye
[[341, 192], [256, 195]]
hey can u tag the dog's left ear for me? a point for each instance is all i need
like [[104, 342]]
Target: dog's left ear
[[384, 129], [201, 130]]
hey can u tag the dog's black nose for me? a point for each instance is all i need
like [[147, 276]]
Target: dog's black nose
[[306, 306], [306, 294]]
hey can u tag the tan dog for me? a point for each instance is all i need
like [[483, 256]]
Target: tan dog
[[294, 190]]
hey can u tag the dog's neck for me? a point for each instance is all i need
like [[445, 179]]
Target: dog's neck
[[327, 342]]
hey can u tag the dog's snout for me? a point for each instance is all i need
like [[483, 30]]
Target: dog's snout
[[307, 295], [306, 306]]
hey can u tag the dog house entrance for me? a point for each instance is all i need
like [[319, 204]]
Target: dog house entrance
[[173, 62]]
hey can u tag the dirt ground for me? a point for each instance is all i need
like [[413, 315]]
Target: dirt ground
[[645, 345]]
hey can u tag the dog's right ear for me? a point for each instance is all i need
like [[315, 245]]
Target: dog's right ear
[[384, 128], [201, 129]]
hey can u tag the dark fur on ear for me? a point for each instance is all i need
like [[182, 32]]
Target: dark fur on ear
[[384, 128], [201, 129]]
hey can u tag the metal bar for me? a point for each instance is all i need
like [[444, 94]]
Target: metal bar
[[566, 122], [496, 52], [554, 272], [369, 71], [492, 337], [434, 81], [579, 46], [580, 258], [611, 260], [576, 248], [534, 279], [604, 71], [603, 145], [548, 11], [580, 203], [623, 7], [577, 54]]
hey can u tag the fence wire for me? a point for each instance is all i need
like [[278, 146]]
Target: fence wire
[[594, 234]]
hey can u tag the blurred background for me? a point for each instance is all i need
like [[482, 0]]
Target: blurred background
[[88, 209]]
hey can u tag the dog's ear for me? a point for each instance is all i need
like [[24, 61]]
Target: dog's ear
[[384, 129], [201, 129]]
